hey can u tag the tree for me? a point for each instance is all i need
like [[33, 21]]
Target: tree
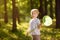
[[14, 15], [57, 13], [51, 9], [45, 6], [5, 12], [31, 4], [17, 14], [41, 10]]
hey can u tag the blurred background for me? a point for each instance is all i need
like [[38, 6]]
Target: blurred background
[[15, 17]]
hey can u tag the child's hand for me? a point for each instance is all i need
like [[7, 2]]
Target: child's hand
[[27, 33]]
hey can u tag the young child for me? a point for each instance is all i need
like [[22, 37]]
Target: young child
[[34, 25]]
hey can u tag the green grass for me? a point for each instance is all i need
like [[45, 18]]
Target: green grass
[[47, 33]]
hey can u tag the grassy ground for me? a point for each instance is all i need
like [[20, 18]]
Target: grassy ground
[[47, 33]]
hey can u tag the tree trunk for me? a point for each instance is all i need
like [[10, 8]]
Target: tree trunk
[[17, 15], [5, 12], [14, 16], [45, 2], [41, 10], [51, 9], [31, 4], [57, 13]]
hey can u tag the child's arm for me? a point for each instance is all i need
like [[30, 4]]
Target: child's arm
[[28, 30], [39, 26]]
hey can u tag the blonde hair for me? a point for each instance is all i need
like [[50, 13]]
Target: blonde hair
[[34, 10]]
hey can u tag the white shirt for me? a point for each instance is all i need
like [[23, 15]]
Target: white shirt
[[33, 26]]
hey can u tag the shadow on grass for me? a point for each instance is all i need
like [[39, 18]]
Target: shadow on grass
[[21, 36], [16, 35]]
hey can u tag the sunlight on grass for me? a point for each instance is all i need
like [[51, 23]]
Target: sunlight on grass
[[22, 25], [46, 33], [1, 19], [49, 29], [5, 30], [10, 34], [14, 36]]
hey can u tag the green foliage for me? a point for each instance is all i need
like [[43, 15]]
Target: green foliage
[[7, 34], [24, 14], [24, 8]]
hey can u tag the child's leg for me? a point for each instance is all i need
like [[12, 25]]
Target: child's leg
[[36, 37]]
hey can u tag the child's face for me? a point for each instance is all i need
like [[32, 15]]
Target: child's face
[[34, 14]]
